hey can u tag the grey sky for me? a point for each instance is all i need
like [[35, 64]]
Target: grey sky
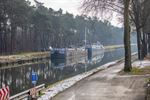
[[71, 6]]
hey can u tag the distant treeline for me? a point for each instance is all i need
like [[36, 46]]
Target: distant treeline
[[26, 28]]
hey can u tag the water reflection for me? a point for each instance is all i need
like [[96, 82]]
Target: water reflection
[[19, 78]]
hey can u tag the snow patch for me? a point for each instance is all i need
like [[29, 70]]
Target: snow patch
[[62, 85], [141, 64]]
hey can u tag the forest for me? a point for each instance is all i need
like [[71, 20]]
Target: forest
[[28, 28]]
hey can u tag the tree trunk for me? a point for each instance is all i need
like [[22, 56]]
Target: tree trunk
[[139, 42], [144, 46], [13, 41], [127, 46], [149, 43]]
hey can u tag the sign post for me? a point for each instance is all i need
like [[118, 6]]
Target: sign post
[[34, 79]]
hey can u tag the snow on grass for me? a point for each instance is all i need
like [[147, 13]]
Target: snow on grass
[[61, 86], [141, 64]]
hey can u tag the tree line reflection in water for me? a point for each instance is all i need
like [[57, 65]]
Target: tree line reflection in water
[[51, 71]]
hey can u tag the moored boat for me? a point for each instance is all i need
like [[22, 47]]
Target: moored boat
[[94, 50], [58, 53]]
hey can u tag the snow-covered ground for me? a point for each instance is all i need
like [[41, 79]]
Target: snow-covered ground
[[61, 86], [141, 64]]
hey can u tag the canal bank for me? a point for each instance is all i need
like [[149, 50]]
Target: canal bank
[[61, 87], [107, 84], [49, 72], [38, 56], [23, 58]]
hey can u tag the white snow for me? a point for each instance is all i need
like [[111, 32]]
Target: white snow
[[141, 64], [61, 86]]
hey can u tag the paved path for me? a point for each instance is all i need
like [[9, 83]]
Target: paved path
[[106, 85]]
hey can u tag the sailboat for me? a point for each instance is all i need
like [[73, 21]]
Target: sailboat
[[95, 49]]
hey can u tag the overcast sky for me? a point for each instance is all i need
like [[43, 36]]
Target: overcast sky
[[71, 6]]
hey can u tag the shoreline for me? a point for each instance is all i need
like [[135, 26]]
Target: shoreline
[[54, 89], [61, 86], [23, 58], [35, 56]]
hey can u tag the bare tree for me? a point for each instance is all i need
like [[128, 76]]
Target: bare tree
[[139, 15], [102, 7]]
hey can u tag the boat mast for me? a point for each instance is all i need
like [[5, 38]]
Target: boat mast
[[85, 37]]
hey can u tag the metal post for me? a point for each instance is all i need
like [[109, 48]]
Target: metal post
[[85, 37]]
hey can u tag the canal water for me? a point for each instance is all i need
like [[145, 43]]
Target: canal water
[[49, 72]]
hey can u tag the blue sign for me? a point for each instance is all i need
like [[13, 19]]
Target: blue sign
[[34, 77]]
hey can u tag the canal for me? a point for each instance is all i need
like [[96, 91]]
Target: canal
[[19, 78]]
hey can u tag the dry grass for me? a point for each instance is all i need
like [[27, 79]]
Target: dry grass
[[137, 71], [23, 56]]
